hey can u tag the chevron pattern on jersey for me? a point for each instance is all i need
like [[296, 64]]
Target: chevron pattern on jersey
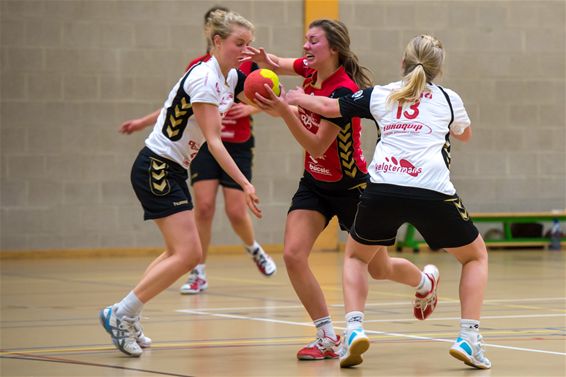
[[346, 151], [158, 183], [177, 117], [446, 152]]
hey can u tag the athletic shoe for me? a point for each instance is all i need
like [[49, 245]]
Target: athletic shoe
[[264, 263], [470, 352], [195, 284], [320, 349], [122, 331], [143, 341], [424, 305], [355, 344]]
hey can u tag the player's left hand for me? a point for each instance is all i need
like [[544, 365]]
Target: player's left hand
[[274, 105], [239, 110]]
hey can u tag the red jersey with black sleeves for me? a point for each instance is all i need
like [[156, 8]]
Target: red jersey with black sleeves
[[343, 162], [241, 131]]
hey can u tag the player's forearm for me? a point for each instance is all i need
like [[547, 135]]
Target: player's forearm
[[324, 106], [221, 155], [307, 139], [150, 119], [285, 65]]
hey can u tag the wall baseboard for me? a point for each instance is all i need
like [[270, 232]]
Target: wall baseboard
[[120, 252]]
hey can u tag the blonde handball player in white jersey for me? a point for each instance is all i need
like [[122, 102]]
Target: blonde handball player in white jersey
[[410, 183], [191, 115]]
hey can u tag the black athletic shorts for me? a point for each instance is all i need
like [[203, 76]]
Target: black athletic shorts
[[204, 166], [441, 219], [339, 203], [160, 185]]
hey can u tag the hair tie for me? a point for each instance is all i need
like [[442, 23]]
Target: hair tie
[[419, 64]]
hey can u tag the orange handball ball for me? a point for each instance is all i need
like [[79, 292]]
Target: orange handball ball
[[255, 81]]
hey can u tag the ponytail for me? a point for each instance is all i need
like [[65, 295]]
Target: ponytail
[[414, 85], [422, 63]]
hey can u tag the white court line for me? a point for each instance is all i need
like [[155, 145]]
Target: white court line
[[392, 303], [309, 324], [235, 316], [526, 299], [455, 318]]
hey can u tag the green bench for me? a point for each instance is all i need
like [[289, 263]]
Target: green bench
[[504, 218]]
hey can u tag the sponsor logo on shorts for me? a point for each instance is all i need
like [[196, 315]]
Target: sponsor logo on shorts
[[176, 204]]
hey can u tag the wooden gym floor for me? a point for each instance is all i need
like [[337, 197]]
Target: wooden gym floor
[[248, 325]]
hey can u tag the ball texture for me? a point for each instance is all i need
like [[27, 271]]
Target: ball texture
[[255, 81]]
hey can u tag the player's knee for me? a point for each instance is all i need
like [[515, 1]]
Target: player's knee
[[380, 271], [189, 259], [481, 255], [294, 258], [204, 211], [237, 214]]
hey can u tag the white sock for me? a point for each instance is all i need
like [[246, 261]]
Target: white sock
[[469, 328], [252, 248], [324, 328], [130, 306], [425, 285], [354, 320], [199, 268]]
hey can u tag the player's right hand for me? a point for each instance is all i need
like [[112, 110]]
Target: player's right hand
[[131, 126], [252, 200], [259, 56], [292, 95]]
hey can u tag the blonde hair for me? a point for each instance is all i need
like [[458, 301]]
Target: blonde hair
[[422, 63], [220, 23], [206, 16], [339, 39]]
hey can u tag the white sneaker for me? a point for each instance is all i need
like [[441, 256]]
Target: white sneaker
[[470, 352], [354, 345], [122, 330], [264, 263], [143, 341], [195, 284]]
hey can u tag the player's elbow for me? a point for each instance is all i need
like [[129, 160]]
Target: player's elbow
[[464, 136], [316, 152]]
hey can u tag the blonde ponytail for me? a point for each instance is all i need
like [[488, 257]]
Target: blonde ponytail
[[422, 63]]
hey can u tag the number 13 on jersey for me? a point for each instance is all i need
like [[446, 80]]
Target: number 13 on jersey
[[411, 113]]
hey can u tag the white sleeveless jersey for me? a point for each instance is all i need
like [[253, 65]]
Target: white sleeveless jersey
[[176, 134], [414, 146]]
